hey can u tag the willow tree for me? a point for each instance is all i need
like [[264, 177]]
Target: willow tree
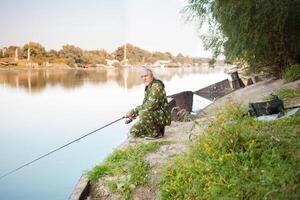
[[263, 34]]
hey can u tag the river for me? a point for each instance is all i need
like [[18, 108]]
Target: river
[[44, 109]]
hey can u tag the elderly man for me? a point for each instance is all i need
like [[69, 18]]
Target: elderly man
[[154, 113]]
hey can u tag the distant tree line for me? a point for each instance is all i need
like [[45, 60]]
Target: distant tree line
[[76, 57]]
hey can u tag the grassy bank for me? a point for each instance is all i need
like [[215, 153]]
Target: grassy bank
[[127, 167], [286, 94], [238, 158]]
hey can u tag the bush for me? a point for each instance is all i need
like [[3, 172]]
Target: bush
[[238, 158], [291, 73]]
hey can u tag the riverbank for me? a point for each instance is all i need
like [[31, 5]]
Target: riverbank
[[179, 138]]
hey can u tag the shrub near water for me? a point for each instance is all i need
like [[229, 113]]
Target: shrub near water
[[238, 158]]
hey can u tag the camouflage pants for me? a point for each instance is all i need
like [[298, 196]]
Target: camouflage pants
[[148, 125]]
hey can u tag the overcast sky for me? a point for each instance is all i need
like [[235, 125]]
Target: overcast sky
[[155, 25]]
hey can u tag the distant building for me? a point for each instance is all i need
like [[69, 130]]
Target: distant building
[[111, 62], [161, 63]]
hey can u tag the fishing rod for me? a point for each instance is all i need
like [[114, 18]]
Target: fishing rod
[[47, 154]]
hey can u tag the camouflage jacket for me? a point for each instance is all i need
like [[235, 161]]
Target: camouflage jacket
[[155, 99]]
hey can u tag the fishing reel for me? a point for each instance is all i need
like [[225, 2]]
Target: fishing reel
[[128, 120]]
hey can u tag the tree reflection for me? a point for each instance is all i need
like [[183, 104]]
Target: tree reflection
[[35, 80]]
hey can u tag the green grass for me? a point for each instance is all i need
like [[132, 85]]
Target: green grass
[[128, 166], [238, 158], [292, 73], [285, 94]]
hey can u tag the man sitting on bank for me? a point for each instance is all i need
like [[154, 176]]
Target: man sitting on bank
[[154, 113]]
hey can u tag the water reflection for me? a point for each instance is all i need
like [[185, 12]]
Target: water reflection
[[35, 80]]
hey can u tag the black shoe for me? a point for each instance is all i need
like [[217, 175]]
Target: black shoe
[[162, 131]]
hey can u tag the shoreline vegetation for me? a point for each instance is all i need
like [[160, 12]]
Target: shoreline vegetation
[[34, 55], [221, 154]]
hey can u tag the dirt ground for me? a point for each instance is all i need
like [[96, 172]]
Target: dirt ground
[[181, 134]]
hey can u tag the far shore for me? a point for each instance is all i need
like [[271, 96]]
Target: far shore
[[12, 67]]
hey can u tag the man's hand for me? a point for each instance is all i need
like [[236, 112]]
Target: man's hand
[[130, 115]]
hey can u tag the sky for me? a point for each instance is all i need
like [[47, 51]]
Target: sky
[[154, 25]]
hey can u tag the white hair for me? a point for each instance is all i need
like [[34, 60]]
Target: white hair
[[145, 69]]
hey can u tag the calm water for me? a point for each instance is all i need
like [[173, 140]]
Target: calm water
[[44, 109]]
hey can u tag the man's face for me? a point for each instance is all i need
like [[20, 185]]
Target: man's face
[[147, 78]]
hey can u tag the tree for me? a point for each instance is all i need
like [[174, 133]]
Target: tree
[[135, 55], [161, 56], [102, 54], [72, 54], [263, 34], [10, 54], [183, 59], [52, 55], [94, 59], [37, 52]]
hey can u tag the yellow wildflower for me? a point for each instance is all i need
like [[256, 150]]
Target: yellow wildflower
[[208, 148]]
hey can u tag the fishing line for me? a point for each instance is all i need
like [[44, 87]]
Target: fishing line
[[59, 148]]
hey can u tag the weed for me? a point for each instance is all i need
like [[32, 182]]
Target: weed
[[238, 158], [292, 73]]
